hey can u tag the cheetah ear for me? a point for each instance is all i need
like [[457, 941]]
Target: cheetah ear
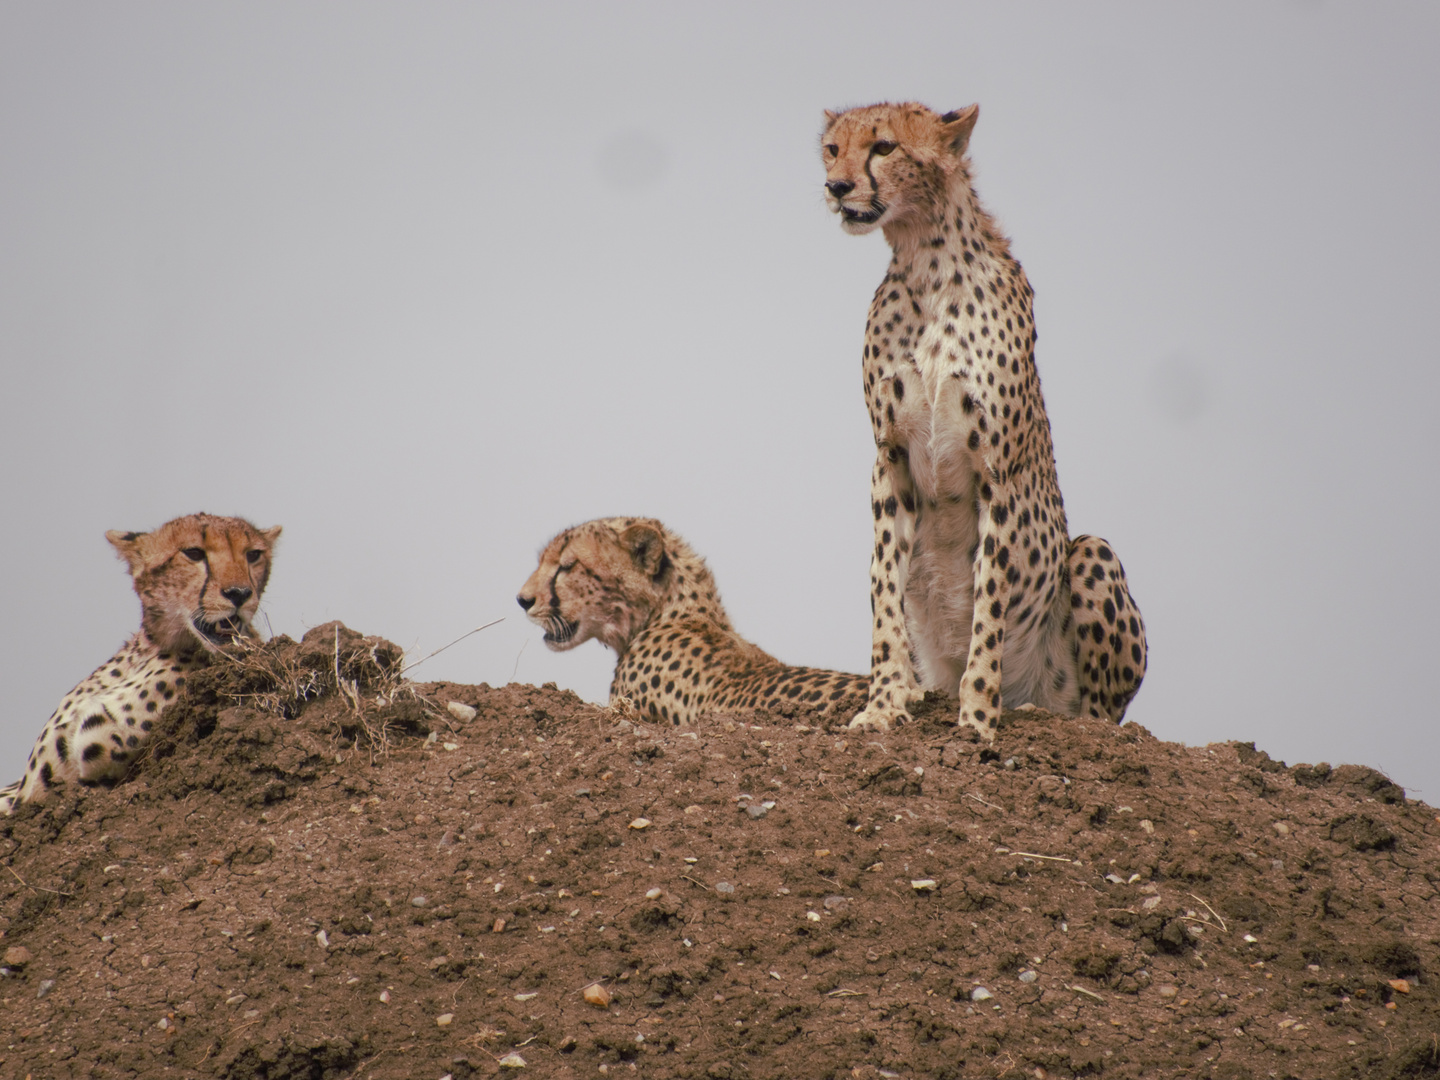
[[647, 548], [958, 125], [128, 545], [271, 535], [831, 116]]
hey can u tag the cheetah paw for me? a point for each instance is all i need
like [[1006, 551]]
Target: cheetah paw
[[874, 719]]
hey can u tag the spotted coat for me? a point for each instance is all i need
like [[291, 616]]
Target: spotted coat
[[199, 579], [643, 591], [973, 563]]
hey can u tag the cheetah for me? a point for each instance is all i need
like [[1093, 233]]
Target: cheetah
[[199, 579], [973, 561], [645, 593]]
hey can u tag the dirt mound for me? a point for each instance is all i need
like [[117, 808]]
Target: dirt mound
[[324, 871]]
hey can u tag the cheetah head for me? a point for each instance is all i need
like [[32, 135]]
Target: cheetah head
[[889, 165], [199, 578], [604, 579]]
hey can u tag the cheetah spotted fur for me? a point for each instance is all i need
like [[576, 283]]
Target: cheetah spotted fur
[[642, 590], [199, 579], [973, 563]]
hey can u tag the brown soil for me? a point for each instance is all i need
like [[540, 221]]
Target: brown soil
[[301, 882]]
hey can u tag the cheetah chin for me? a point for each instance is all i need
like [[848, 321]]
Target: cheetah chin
[[861, 221], [221, 632], [560, 633]]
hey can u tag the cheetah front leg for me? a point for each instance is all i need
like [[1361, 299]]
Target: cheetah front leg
[[893, 684], [980, 700]]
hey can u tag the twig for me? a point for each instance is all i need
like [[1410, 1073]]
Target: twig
[[843, 992], [687, 877], [1212, 912], [365, 1065], [1047, 858], [982, 802], [40, 888], [1082, 990], [517, 660], [457, 641]]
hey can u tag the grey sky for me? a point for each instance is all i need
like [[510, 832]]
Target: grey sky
[[425, 283]]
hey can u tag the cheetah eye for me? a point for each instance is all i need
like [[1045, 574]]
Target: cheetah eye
[[194, 554], [883, 147], [253, 555], [565, 568], [832, 149]]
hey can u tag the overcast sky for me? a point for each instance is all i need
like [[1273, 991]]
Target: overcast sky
[[426, 283]]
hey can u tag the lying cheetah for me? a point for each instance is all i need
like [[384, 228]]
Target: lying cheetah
[[973, 560], [641, 590], [199, 579]]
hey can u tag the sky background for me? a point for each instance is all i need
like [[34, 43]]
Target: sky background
[[426, 283]]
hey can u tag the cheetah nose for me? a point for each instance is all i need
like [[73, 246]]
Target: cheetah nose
[[236, 594], [839, 188], [525, 602]]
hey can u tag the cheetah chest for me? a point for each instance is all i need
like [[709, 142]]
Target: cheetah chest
[[919, 403]]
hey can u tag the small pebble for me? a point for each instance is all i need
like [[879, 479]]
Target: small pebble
[[384, 997], [757, 810], [17, 956], [323, 939], [234, 999], [597, 995], [163, 1023], [725, 887], [654, 894], [462, 712], [980, 994], [527, 997], [444, 1019], [419, 901], [924, 885], [835, 903], [1167, 991], [1147, 825], [1028, 976], [640, 823], [45, 987], [511, 1060], [813, 916], [1400, 985]]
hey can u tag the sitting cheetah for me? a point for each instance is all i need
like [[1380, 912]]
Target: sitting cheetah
[[199, 579], [972, 560], [643, 591]]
